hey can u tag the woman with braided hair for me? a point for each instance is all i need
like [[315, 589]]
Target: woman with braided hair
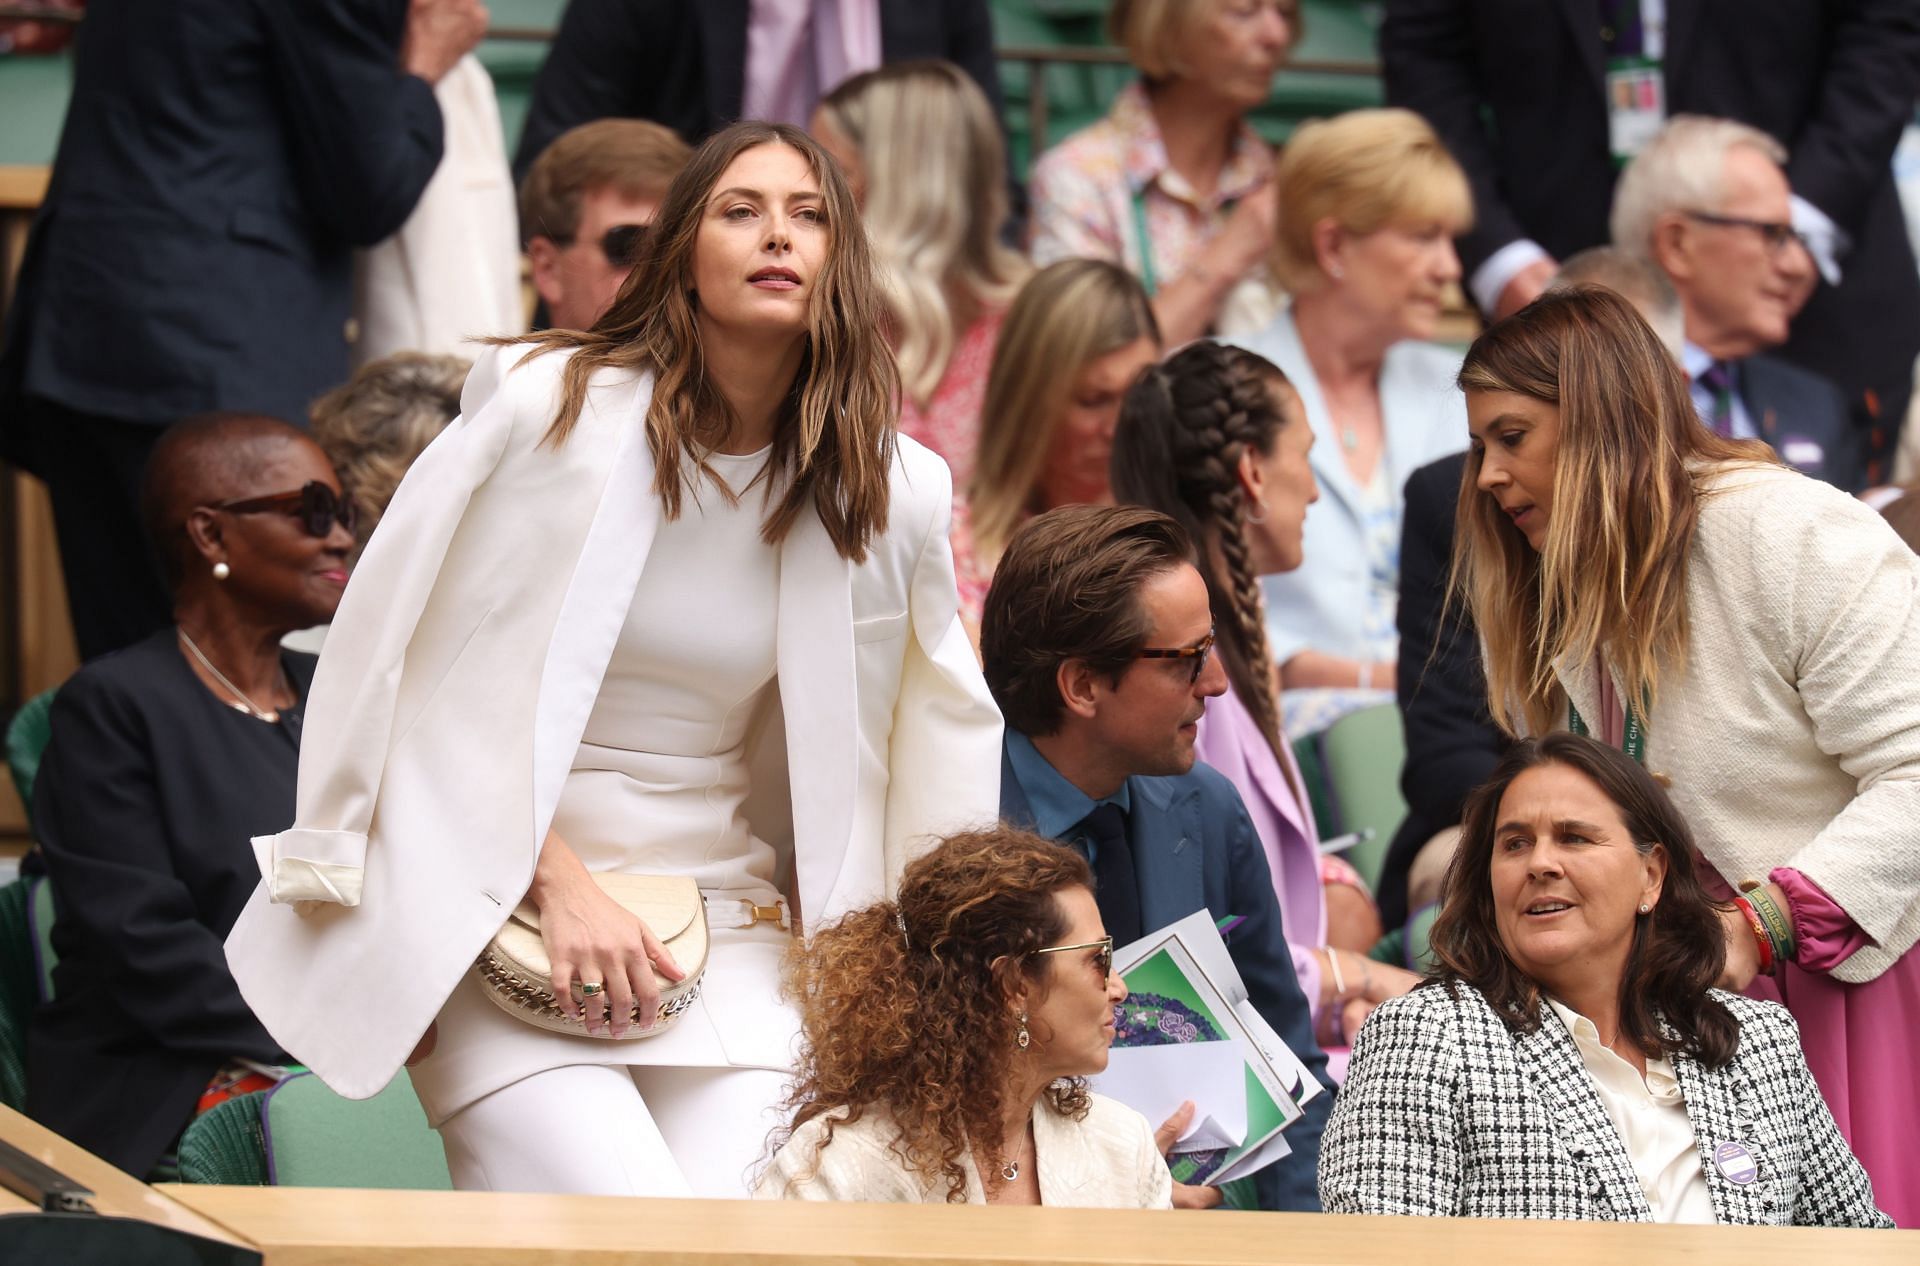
[[1215, 438]]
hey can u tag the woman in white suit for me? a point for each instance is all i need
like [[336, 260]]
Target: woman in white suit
[[668, 598], [1370, 203]]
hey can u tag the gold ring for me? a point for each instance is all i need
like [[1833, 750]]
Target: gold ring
[[590, 988]]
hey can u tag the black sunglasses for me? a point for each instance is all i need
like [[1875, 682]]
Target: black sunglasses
[[317, 506], [620, 244]]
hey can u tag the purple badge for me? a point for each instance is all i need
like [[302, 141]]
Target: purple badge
[[1736, 1163]]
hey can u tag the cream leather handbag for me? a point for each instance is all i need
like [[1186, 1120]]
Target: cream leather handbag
[[519, 975]]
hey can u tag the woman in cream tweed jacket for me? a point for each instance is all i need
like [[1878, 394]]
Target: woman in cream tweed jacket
[[1752, 635]]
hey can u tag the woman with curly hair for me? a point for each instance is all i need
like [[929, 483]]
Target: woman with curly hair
[[1216, 438], [948, 1034]]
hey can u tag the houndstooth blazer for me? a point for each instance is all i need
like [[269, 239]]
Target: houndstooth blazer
[[1447, 1112]]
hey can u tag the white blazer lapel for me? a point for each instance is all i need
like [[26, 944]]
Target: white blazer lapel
[[818, 695], [600, 593]]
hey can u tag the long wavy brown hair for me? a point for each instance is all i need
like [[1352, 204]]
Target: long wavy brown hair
[[1678, 950], [835, 438], [905, 1005], [1630, 471], [1183, 428]]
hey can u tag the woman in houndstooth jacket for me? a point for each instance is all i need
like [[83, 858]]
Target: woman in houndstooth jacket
[[1570, 1059]]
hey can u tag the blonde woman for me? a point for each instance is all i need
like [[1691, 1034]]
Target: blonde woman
[[1075, 339], [374, 425], [1173, 184], [1749, 633], [923, 151], [1370, 203], [563, 656]]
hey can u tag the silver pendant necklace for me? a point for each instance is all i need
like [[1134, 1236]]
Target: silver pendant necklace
[[240, 702]]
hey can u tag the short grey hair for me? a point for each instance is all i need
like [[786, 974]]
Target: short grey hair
[[373, 426], [1683, 168], [1634, 278]]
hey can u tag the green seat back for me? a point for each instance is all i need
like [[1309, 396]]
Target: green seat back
[[27, 735], [40, 924], [18, 992], [1361, 755], [315, 1138], [226, 1145]]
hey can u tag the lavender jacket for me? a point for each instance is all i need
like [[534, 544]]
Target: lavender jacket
[[1231, 742]]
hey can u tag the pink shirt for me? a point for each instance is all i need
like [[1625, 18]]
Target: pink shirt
[[799, 50], [949, 424]]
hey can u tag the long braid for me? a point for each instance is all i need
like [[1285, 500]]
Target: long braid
[[1190, 420]]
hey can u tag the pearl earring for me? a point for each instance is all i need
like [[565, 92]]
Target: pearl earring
[[221, 571], [1024, 1038], [1337, 272], [1645, 908]]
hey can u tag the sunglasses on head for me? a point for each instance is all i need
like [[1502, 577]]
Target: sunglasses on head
[[317, 506]]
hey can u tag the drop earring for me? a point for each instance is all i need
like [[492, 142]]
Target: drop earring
[[1023, 1039], [221, 571]]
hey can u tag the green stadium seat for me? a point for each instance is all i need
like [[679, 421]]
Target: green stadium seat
[[1360, 756], [301, 1134], [27, 735]]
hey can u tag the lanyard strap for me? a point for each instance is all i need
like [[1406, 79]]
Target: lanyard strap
[[1148, 281], [1633, 740]]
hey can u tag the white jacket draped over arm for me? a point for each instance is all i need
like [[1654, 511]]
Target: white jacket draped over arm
[[459, 674]]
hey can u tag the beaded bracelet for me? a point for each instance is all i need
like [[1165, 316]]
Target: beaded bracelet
[[1760, 936], [1779, 926]]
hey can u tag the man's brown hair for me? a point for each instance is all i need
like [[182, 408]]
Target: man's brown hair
[[632, 156], [1068, 588]]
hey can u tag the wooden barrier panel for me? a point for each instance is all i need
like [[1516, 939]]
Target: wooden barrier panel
[[323, 1227], [115, 1192]]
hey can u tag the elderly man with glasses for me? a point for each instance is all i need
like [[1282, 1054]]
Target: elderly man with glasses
[[1708, 202], [1097, 639]]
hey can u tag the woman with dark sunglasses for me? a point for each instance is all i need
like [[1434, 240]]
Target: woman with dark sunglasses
[[166, 758], [948, 1035]]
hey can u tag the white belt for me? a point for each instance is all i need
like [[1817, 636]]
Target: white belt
[[742, 912]]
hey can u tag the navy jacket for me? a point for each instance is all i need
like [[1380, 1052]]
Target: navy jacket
[[220, 160], [1195, 848], [1515, 88], [1804, 417], [684, 65]]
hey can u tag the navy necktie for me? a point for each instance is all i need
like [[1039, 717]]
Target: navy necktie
[[1116, 886]]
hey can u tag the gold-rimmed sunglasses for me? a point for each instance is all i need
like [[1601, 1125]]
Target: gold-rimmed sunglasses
[[1103, 959]]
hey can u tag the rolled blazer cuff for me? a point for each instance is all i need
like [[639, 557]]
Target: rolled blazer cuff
[[303, 865]]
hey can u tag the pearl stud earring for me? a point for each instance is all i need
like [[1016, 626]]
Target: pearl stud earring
[[221, 571]]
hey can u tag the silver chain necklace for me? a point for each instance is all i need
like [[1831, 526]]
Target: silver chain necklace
[[240, 702]]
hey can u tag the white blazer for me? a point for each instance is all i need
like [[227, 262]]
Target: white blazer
[[1106, 1160], [1322, 604], [451, 274], [1792, 735], [465, 659]]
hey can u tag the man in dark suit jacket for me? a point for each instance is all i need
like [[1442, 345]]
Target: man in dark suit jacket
[[685, 65], [1707, 202], [1097, 640], [1452, 742], [219, 162], [1516, 89]]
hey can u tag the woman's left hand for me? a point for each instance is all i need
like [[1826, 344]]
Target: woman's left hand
[[1184, 1195]]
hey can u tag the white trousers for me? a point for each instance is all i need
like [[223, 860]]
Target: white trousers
[[616, 1130]]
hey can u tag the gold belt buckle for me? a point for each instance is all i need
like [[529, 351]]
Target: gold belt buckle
[[762, 914]]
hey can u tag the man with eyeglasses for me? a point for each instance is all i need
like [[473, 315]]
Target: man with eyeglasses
[[1708, 202], [1097, 639], [584, 211], [1543, 101]]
